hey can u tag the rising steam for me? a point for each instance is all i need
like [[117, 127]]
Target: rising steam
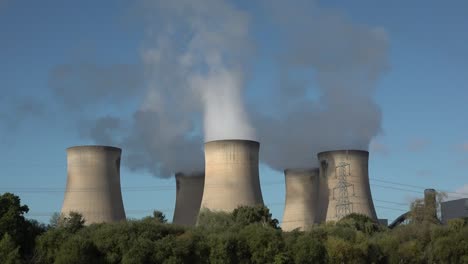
[[335, 108], [196, 59]]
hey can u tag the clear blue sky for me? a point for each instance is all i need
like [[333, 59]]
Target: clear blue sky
[[423, 97]]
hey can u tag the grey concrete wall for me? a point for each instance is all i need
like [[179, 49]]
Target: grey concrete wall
[[231, 175], [188, 197], [93, 184], [359, 193], [301, 206], [454, 209]]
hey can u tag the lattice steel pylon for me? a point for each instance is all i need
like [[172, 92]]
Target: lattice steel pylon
[[343, 206]]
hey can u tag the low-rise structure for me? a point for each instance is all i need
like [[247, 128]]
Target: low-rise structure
[[454, 209]]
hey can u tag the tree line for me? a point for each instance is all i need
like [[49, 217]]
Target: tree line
[[247, 235]]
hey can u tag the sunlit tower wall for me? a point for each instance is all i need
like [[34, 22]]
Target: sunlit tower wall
[[93, 184], [188, 197], [301, 205], [231, 175], [345, 185]]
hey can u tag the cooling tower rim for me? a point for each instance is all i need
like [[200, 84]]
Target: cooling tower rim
[[339, 151], [94, 147], [233, 140], [189, 175], [300, 170]]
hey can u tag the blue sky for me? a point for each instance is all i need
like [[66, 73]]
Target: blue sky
[[423, 98]]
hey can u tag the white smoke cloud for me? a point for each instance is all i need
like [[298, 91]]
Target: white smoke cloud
[[205, 45], [196, 58], [342, 61], [225, 118]]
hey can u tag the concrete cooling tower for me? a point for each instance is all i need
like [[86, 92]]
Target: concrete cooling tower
[[188, 198], [301, 208], [231, 175], [93, 184], [345, 186]]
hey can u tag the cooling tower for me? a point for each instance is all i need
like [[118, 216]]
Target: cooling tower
[[93, 184], [301, 206], [188, 198], [231, 175], [345, 186]]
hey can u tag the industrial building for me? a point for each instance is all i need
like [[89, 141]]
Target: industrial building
[[344, 184], [231, 175], [454, 209], [93, 184], [301, 206], [188, 197]]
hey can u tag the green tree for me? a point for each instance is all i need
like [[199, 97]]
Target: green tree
[[72, 222], [226, 247], [32, 230], [9, 252], [245, 215], [12, 221], [48, 245], [309, 249], [214, 220], [264, 242], [361, 223], [456, 225], [451, 247], [411, 251], [142, 251], [159, 216], [78, 250], [342, 251], [55, 220]]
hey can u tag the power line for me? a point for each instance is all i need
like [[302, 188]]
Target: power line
[[415, 186], [172, 187], [395, 188], [383, 201], [129, 189]]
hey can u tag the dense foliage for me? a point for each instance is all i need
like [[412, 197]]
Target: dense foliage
[[248, 235]]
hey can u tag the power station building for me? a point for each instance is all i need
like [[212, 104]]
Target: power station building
[[454, 209], [231, 175], [93, 184], [301, 207], [344, 184], [188, 197]]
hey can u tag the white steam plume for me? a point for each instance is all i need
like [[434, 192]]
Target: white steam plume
[[330, 104], [194, 57], [195, 60], [209, 44]]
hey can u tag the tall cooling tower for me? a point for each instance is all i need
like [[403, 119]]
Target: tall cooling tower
[[301, 207], [345, 178], [93, 184], [188, 198], [231, 175]]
